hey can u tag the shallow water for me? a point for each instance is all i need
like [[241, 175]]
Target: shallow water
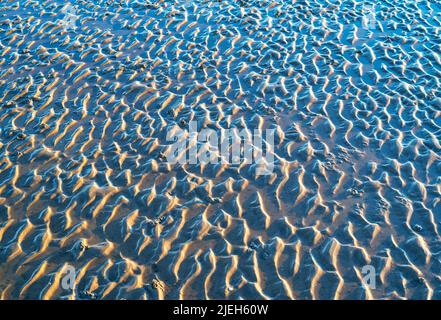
[[89, 92]]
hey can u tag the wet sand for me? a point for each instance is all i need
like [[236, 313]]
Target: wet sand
[[85, 107]]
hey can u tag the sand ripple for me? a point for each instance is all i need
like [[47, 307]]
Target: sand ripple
[[84, 115]]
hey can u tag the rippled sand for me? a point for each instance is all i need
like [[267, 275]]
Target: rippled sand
[[84, 115]]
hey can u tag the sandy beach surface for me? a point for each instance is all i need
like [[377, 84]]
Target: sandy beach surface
[[89, 91]]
